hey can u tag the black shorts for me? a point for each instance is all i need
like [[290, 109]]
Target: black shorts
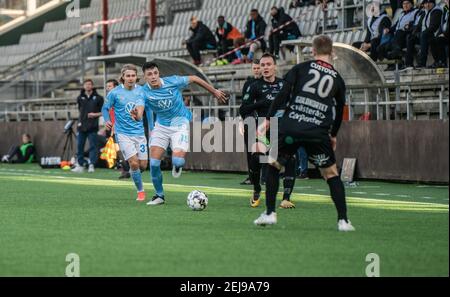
[[320, 151]]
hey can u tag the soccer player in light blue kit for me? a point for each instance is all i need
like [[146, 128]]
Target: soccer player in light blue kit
[[129, 131], [164, 97]]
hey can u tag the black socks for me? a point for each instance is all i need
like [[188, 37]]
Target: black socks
[[337, 191]]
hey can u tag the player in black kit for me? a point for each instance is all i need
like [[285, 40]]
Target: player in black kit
[[256, 103], [315, 93]]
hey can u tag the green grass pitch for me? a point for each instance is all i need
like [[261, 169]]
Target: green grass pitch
[[47, 214]]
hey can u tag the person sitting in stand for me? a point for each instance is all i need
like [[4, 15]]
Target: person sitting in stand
[[202, 38], [227, 35]]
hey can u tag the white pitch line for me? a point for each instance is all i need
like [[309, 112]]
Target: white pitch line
[[359, 193], [237, 190], [403, 196], [382, 194]]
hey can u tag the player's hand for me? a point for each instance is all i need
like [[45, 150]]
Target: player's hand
[[108, 125], [221, 96], [262, 129], [385, 31], [134, 114], [91, 115], [241, 128], [333, 142]]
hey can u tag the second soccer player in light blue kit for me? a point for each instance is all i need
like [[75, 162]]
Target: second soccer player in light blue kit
[[164, 97], [129, 133]]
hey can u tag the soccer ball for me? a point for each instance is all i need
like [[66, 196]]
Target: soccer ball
[[197, 200]]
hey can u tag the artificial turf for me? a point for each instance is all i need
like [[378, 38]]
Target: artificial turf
[[47, 214]]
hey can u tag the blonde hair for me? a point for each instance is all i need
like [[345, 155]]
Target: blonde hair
[[127, 67]]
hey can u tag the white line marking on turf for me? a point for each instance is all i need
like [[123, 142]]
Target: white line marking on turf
[[105, 183], [403, 196], [382, 194], [359, 193]]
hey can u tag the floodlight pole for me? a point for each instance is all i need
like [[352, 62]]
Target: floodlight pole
[[152, 18], [105, 27]]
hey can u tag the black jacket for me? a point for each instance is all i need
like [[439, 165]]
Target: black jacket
[[435, 21], [260, 30], [384, 24], [281, 18], [88, 104], [202, 34]]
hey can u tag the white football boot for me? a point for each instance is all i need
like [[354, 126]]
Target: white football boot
[[156, 201], [345, 226], [176, 173], [265, 219], [91, 168], [78, 169]]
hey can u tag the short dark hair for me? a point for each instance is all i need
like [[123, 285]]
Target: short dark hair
[[256, 61], [149, 65], [254, 10], [114, 81], [323, 45], [220, 17], [88, 80], [269, 55]]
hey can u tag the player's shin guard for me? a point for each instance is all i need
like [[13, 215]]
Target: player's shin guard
[[272, 185], [289, 178], [137, 178], [178, 162], [255, 172], [156, 175], [337, 191]]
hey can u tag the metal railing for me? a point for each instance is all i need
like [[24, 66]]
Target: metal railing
[[360, 99], [72, 50], [343, 9]]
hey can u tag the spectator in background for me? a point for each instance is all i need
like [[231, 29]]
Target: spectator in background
[[25, 153], [290, 32], [256, 28], [429, 27], [299, 3], [202, 38], [89, 105], [378, 25], [414, 37], [439, 44], [400, 32], [226, 35]]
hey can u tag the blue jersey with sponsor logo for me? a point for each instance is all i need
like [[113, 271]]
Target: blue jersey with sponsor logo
[[167, 101], [123, 101]]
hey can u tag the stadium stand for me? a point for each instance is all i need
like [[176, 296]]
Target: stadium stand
[[52, 53]]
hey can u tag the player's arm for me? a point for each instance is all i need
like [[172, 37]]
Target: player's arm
[[340, 103], [138, 113], [107, 105], [218, 94]]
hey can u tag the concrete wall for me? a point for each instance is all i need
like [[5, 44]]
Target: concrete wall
[[392, 150]]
